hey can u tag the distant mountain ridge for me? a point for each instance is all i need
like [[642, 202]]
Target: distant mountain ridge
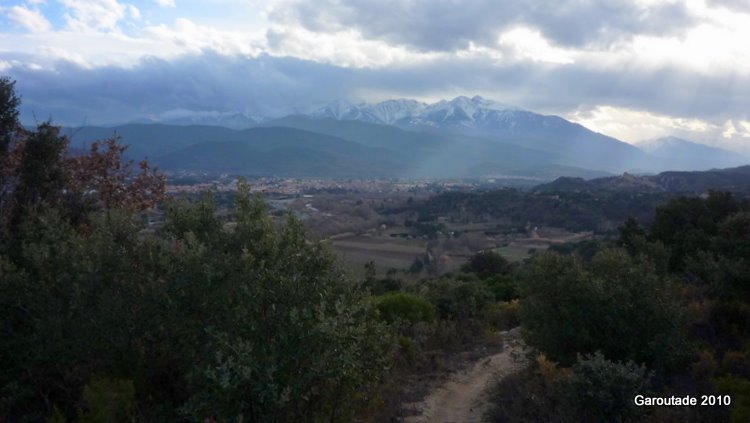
[[696, 182], [681, 154], [463, 137], [310, 147], [574, 144]]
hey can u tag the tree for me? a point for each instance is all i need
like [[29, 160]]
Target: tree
[[631, 234], [9, 103], [687, 224], [197, 321], [35, 168], [618, 305], [204, 321], [485, 264]]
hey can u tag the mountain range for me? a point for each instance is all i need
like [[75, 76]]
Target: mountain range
[[682, 154], [735, 179], [464, 137]]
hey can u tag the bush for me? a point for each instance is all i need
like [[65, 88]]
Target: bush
[[503, 287], [739, 390], [486, 264], [401, 307], [618, 305], [459, 300], [599, 390], [252, 323], [503, 316], [593, 390]]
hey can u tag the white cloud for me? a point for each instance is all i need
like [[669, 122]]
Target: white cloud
[[529, 44], [98, 15], [188, 37], [346, 48], [134, 12], [166, 3], [634, 126], [30, 19]]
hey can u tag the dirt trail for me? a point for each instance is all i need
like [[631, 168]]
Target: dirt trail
[[461, 399]]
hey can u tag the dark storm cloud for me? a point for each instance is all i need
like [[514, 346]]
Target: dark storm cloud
[[209, 82], [447, 25], [269, 85], [670, 91]]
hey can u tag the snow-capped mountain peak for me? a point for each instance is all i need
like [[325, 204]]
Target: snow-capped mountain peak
[[461, 110], [337, 109]]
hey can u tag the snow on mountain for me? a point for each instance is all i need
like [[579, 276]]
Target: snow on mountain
[[233, 120], [461, 111]]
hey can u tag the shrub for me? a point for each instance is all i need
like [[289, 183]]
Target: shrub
[[503, 287], [486, 264], [599, 390], [739, 390], [407, 308], [618, 305], [459, 300]]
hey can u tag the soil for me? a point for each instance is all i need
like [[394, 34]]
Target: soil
[[462, 397]]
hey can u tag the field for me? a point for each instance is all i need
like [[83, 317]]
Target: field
[[385, 251], [358, 233]]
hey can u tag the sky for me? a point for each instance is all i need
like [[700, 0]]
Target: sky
[[632, 69]]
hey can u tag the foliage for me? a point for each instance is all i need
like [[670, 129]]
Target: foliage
[[599, 390], [35, 168], [406, 308], [219, 324], [687, 224], [486, 264], [601, 211], [108, 400], [617, 305], [458, 300], [593, 390], [739, 390], [503, 287], [9, 102], [198, 321], [586, 249], [504, 315]]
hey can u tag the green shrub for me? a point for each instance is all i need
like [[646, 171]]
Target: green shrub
[[504, 315], [401, 307], [617, 305], [252, 323], [599, 390], [486, 264], [503, 287], [459, 300]]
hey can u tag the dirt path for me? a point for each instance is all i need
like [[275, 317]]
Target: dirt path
[[461, 398]]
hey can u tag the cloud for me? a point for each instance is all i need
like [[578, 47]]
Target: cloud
[[74, 95], [734, 5], [99, 15], [209, 81], [448, 25], [187, 36], [675, 61], [166, 3], [30, 19]]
